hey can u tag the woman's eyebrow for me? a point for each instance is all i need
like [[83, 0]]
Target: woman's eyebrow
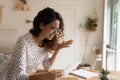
[[54, 27]]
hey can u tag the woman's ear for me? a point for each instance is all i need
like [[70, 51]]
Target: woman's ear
[[41, 25]]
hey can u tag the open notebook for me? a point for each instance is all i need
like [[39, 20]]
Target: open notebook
[[71, 67], [84, 74]]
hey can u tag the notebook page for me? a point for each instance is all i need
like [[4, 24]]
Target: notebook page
[[84, 74]]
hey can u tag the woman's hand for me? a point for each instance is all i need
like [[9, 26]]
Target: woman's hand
[[64, 44]]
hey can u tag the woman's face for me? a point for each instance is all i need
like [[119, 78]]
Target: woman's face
[[51, 29]]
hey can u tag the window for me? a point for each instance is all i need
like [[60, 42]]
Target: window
[[112, 34]]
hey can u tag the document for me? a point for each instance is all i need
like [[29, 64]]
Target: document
[[71, 67], [84, 74]]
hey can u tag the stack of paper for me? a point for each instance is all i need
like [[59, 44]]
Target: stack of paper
[[84, 74]]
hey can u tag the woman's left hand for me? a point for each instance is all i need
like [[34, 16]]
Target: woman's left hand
[[64, 44]]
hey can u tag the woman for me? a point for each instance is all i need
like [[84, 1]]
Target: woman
[[32, 49]]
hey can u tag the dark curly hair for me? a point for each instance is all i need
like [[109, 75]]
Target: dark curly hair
[[46, 16]]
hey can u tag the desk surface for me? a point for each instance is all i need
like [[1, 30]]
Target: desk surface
[[114, 74]]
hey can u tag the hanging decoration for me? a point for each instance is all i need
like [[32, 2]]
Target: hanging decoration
[[28, 21], [22, 6], [91, 24], [91, 21]]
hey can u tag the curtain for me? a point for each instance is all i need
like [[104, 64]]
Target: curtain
[[114, 24]]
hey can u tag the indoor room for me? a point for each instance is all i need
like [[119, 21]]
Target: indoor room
[[89, 38]]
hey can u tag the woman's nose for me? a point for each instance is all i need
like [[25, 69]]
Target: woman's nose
[[55, 31]]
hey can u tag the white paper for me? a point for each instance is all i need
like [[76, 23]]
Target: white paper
[[71, 67], [84, 74]]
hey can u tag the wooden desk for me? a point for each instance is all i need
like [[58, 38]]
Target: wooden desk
[[75, 78], [114, 74]]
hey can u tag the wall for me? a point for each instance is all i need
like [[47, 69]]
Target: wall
[[74, 13]]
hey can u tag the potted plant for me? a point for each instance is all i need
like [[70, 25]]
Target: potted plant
[[91, 24], [104, 74]]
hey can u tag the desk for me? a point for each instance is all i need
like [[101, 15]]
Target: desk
[[75, 78], [115, 74]]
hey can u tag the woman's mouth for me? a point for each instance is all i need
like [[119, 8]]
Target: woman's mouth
[[50, 36]]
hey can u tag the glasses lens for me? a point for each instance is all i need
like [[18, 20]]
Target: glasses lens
[[59, 30]]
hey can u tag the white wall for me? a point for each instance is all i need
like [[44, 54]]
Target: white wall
[[74, 13]]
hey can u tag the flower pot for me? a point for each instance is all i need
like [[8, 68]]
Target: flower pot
[[104, 78], [104, 74], [91, 24], [99, 53]]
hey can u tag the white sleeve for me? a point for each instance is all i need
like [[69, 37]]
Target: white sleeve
[[19, 55], [46, 63]]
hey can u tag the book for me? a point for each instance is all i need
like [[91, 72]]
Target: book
[[70, 67], [51, 70], [41, 74], [84, 74]]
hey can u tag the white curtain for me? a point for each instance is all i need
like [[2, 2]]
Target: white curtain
[[118, 37], [115, 36]]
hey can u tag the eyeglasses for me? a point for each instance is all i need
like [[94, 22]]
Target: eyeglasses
[[57, 31]]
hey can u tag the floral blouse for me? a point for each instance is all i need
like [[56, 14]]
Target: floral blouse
[[26, 58]]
